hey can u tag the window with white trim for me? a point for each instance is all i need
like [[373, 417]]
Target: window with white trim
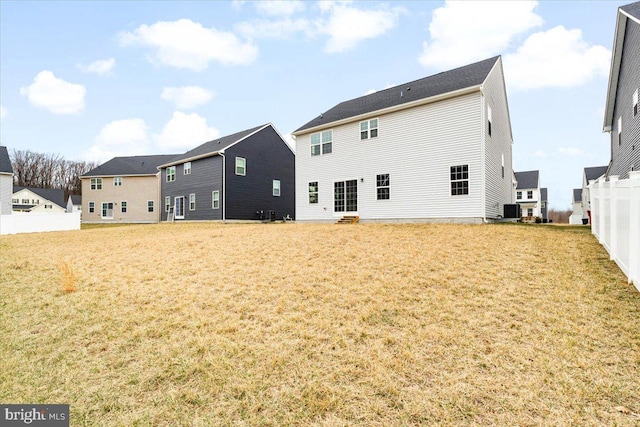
[[276, 188], [459, 180], [215, 200], [635, 102], [25, 201], [530, 194], [313, 192], [489, 119], [369, 129], [117, 181], [15, 201], [382, 186], [322, 142], [192, 202], [503, 165], [167, 203], [123, 207], [107, 210], [187, 168], [619, 131], [92, 207], [519, 195], [96, 183], [241, 166], [150, 206], [171, 173]]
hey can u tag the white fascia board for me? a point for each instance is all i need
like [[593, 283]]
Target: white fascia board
[[113, 176], [614, 71], [392, 109]]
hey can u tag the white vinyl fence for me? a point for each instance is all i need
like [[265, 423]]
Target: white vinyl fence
[[615, 221], [38, 222]]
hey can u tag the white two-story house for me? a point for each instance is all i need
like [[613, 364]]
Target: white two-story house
[[434, 149], [529, 194]]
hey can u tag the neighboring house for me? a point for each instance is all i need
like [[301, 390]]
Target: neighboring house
[[622, 111], [74, 203], [544, 204], [434, 149], [42, 200], [528, 194], [124, 189], [6, 182], [576, 214], [589, 174], [248, 175]]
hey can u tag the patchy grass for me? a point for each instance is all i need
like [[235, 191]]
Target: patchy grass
[[289, 324]]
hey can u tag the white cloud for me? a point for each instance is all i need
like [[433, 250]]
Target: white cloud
[[186, 97], [555, 58], [464, 32], [539, 153], [279, 7], [126, 137], [185, 131], [347, 26], [100, 67], [54, 94], [187, 44], [3, 112]]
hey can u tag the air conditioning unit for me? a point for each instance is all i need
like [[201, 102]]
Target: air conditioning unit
[[512, 211]]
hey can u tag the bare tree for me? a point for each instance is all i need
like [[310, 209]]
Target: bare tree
[[559, 217], [39, 170]]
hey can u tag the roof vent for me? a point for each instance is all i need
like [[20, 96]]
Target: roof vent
[[400, 94], [218, 141]]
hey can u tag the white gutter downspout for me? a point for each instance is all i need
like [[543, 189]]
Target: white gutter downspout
[[224, 187], [484, 154]]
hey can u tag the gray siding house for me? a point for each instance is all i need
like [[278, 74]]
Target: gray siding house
[[248, 175], [434, 149], [589, 174], [6, 182], [622, 112]]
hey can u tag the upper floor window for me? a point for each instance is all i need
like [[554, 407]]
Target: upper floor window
[[489, 119], [619, 131], [459, 180], [187, 168], [369, 129], [241, 166], [117, 181], [276, 187], [313, 192], [382, 186], [171, 173], [530, 194], [635, 103], [15, 201], [519, 195], [25, 201], [321, 142], [96, 183]]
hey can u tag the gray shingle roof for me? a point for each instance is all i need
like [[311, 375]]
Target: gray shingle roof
[[135, 165], [437, 84], [54, 195], [528, 179], [577, 194], [5, 161], [594, 172], [632, 9], [211, 147], [76, 199]]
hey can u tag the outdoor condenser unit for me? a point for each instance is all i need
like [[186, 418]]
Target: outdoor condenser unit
[[512, 211]]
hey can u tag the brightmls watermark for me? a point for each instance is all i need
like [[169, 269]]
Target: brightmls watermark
[[34, 415]]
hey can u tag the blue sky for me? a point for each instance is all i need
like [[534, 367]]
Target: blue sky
[[92, 80]]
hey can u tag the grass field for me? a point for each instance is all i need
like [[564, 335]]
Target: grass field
[[290, 324]]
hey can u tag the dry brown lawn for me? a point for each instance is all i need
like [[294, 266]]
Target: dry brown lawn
[[290, 324]]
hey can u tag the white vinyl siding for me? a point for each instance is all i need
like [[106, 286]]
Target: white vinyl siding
[[417, 148]]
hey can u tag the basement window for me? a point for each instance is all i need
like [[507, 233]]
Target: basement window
[[459, 180]]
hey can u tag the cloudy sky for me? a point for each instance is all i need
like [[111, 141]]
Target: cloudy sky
[[93, 80]]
